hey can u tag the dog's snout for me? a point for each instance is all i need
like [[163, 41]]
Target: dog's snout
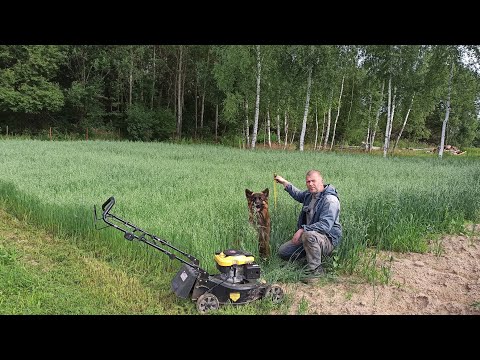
[[258, 203]]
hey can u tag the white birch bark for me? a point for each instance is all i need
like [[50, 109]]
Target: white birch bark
[[338, 113], [286, 131], [323, 130], [247, 125], [268, 126], [404, 123], [369, 123], [327, 131], [392, 115], [387, 130], [329, 119], [279, 140], [257, 102], [374, 130], [447, 114], [307, 104]]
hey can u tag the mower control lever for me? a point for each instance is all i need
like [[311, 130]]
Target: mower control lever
[[110, 202]]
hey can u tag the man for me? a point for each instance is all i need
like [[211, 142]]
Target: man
[[319, 230]]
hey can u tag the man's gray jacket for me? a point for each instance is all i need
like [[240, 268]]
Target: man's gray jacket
[[327, 212]]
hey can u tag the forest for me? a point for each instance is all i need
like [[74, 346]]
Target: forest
[[300, 96]]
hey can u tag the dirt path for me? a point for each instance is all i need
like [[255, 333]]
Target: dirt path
[[420, 284]]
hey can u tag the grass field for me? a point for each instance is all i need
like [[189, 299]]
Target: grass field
[[194, 197]]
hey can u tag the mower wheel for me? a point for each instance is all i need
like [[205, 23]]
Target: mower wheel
[[274, 293], [207, 302]]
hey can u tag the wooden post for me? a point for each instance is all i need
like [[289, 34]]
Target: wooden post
[[87, 134], [7, 130], [50, 133]]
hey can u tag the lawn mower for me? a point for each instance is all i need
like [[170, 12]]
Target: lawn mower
[[237, 283]]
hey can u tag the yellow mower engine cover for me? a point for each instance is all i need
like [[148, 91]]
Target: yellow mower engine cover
[[233, 257]]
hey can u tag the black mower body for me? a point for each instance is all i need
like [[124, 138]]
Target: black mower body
[[189, 283]]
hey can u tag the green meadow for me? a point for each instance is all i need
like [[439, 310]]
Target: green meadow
[[193, 196]]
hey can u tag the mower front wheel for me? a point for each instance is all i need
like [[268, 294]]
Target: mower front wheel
[[274, 293], [207, 302]]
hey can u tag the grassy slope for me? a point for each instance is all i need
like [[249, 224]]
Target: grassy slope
[[42, 274]]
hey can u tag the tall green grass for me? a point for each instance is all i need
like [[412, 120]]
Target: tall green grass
[[193, 196]]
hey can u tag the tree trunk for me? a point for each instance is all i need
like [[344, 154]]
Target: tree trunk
[[257, 102], [130, 82], [374, 130], [392, 115], [247, 125], [307, 105], [268, 126], [216, 123], [264, 132], [404, 123], [387, 130], [179, 92], [447, 113], [279, 140], [351, 102], [338, 113], [329, 120], [204, 92], [184, 76], [202, 112], [316, 128], [327, 131], [196, 107], [293, 136], [153, 80], [323, 130], [286, 131], [369, 123]]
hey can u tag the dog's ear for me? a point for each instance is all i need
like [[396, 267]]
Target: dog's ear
[[265, 192], [248, 193]]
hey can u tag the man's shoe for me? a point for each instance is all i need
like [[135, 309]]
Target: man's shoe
[[313, 276]]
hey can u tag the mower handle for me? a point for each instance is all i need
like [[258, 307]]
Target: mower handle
[[132, 232], [108, 204]]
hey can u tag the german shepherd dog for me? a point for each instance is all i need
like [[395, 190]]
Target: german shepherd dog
[[260, 218]]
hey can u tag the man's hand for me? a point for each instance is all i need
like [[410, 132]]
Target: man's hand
[[280, 180], [296, 238]]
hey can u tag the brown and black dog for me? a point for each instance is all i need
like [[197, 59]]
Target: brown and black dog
[[260, 218]]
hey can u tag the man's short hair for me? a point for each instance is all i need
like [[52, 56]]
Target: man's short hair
[[311, 172]]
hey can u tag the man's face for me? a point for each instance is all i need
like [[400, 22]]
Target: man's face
[[314, 183]]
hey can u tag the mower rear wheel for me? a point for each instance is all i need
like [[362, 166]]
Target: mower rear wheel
[[207, 302], [274, 293]]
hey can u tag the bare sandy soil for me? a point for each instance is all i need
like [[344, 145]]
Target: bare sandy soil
[[445, 280]]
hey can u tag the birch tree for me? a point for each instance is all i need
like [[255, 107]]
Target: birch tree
[[447, 112], [257, 98], [375, 126], [179, 92], [338, 113], [307, 104]]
